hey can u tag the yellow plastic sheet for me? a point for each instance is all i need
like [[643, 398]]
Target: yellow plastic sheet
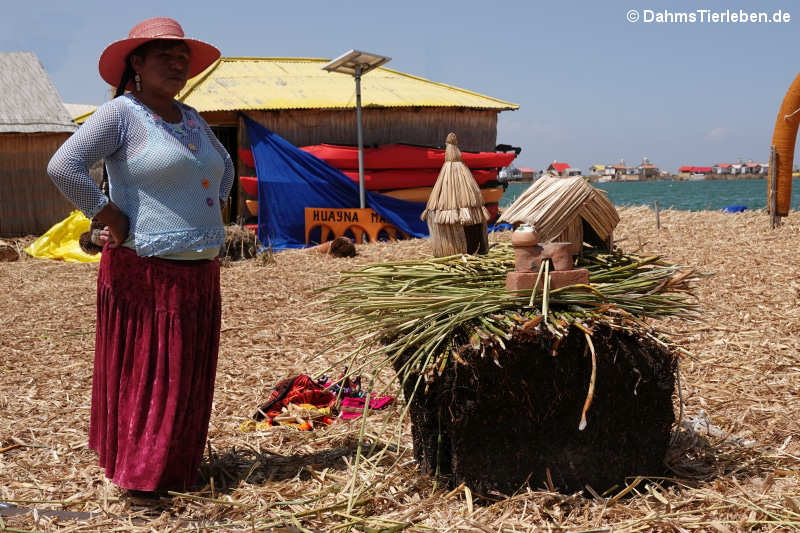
[[61, 241]]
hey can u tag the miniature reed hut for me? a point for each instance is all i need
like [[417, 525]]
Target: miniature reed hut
[[565, 210], [456, 216]]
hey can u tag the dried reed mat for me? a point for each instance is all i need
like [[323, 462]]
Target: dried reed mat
[[551, 204], [456, 197], [737, 468]]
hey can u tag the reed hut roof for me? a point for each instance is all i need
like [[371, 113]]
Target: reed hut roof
[[29, 102], [551, 203]]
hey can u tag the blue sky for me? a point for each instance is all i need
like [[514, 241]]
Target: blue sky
[[592, 86]]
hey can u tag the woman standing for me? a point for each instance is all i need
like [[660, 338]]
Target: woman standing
[[158, 296]]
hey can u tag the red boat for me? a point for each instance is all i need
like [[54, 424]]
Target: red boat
[[394, 156], [384, 180]]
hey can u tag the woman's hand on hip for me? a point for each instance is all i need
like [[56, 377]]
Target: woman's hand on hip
[[116, 222]]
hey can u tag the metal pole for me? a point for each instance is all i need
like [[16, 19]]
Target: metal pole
[[361, 194], [772, 182], [658, 218]]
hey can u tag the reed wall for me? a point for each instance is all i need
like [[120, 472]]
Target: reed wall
[[29, 201]]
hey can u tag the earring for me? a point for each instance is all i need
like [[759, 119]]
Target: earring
[[138, 81]]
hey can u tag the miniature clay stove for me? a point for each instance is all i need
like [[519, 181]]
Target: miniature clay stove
[[528, 257]]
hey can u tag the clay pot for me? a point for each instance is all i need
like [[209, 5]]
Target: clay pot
[[560, 253], [525, 236]]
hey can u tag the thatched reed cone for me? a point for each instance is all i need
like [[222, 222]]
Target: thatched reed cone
[[455, 213]]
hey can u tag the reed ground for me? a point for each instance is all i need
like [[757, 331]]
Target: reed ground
[[735, 457]]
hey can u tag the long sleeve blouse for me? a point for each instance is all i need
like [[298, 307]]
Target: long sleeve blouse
[[169, 179]]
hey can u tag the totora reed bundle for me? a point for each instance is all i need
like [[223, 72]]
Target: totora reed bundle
[[497, 380]]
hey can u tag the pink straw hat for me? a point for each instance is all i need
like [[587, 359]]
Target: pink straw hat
[[112, 60]]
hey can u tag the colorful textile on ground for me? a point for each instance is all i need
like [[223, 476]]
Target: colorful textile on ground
[[354, 407], [348, 388], [62, 241], [304, 417], [344, 386], [297, 390], [156, 347]]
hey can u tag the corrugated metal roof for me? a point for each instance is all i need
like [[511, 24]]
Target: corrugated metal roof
[[80, 112], [29, 102], [245, 83]]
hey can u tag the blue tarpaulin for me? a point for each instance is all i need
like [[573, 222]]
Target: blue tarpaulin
[[734, 208], [289, 180]]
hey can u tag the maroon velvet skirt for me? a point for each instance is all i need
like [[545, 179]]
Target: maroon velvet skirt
[[155, 361]]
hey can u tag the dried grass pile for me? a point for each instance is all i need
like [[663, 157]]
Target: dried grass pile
[[240, 243], [733, 459]]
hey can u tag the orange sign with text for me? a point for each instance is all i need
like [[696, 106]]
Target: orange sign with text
[[360, 222]]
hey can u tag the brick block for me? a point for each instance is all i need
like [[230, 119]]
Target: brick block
[[517, 281]]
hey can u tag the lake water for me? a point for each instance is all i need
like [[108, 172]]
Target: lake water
[[682, 195]]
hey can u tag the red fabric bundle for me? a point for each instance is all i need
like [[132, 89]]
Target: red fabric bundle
[[299, 389]]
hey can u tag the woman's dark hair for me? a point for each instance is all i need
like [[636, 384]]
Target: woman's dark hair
[[127, 76]]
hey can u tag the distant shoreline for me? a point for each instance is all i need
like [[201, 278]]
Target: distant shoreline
[[691, 195], [670, 177], [678, 177]]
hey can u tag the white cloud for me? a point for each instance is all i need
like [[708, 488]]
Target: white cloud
[[717, 134]]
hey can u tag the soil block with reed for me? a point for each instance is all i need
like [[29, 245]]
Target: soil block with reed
[[503, 420]]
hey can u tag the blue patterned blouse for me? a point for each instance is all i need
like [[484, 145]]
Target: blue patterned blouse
[[170, 179]]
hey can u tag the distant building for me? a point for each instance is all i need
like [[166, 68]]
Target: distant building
[[722, 168], [687, 171], [620, 171], [558, 168], [647, 170], [751, 168], [597, 170]]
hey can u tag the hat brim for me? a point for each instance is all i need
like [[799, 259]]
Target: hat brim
[[112, 60]]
